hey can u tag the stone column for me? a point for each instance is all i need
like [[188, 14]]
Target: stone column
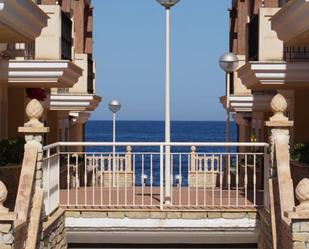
[[7, 220], [34, 130], [300, 216], [281, 185]]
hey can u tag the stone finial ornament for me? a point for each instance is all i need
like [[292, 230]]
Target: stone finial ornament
[[302, 195], [34, 111], [3, 196], [278, 105]]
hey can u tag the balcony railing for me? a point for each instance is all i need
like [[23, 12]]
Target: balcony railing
[[66, 37], [200, 176], [296, 53], [22, 50]]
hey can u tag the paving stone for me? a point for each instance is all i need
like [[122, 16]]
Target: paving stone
[[8, 238], [296, 226], [252, 215], [94, 214], [301, 237], [173, 215], [158, 215], [299, 245], [304, 226], [6, 247], [138, 215], [5, 228], [234, 215], [116, 215], [214, 215], [72, 214], [194, 215]]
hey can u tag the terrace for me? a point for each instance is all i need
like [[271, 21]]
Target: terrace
[[201, 176]]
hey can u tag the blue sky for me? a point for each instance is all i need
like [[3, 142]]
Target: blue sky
[[129, 45]]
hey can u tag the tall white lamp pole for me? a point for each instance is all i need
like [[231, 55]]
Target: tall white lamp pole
[[228, 62], [167, 4], [114, 106]]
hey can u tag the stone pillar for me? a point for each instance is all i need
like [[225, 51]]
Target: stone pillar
[[300, 216], [6, 221], [280, 185], [34, 130]]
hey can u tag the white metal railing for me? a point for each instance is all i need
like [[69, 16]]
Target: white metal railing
[[88, 175]]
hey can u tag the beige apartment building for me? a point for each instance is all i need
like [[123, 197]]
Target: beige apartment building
[[270, 61], [68, 194], [54, 64]]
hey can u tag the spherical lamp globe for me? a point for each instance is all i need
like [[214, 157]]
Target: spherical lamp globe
[[168, 3], [114, 106], [228, 62]]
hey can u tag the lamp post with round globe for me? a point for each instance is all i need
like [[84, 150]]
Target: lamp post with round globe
[[167, 4], [228, 62], [114, 106]]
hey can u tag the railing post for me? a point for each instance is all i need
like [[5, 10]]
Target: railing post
[[161, 177], [34, 131], [168, 175], [280, 184]]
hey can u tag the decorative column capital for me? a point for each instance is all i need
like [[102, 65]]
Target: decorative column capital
[[34, 111], [279, 105]]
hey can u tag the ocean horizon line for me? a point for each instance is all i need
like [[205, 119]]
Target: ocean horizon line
[[126, 120]]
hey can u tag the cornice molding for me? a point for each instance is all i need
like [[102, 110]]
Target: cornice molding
[[292, 21], [20, 20], [40, 73], [261, 75]]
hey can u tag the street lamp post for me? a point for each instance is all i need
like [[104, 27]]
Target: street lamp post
[[114, 106], [167, 4], [228, 62]]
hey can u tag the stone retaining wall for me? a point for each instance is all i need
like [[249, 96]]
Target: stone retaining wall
[[300, 234], [53, 234], [6, 235], [162, 214]]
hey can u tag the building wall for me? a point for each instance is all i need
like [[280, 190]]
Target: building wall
[[301, 118], [3, 109], [16, 111], [48, 44]]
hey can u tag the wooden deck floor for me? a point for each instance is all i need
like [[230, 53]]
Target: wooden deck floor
[[188, 198]]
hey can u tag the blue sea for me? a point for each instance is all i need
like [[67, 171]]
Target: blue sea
[[153, 131]]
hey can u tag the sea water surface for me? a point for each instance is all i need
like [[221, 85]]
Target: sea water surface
[[153, 131]]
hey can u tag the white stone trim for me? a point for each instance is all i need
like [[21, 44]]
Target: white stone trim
[[72, 222], [74, 102], [259, 75], [40, 73]]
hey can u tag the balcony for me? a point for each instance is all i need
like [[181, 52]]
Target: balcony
[[39, 73], [292, 22], [136, 176], [248, 103], [20, 21], [74, 102], [269, 75]]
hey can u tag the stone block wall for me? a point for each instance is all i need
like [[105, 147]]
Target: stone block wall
[[162, 214], [300, 234], [53, 234], [6, 235]]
